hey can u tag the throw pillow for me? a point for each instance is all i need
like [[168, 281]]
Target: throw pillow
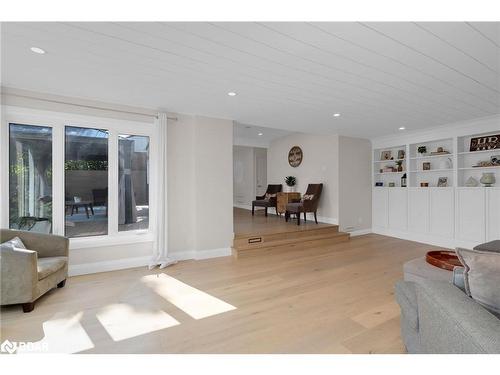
[[307, 197], [489, 246], [269, 195], [482, 277], [15, 243]]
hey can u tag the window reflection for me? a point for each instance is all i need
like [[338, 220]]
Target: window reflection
[[133, 182], [86, 182], [30, 178]]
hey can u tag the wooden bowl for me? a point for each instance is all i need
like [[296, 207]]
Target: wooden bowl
[[447, 260]]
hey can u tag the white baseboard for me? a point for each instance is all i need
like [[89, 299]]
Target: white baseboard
[[201, 254], [121, 264], [110, 265], [449, 243], [323, 219], [360, 232]]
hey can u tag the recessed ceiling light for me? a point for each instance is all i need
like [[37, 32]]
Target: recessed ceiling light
[[336, 114], [402, 128], [260, 134], [37, 50], [231, 93]]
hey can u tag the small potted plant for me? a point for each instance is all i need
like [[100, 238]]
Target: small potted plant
[[290, 181], [399, 164], [422, 150]]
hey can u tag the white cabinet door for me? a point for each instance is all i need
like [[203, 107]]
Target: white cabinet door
[[471, 214], [418, 218], [398, 208], [442, 213], [493, 214], [379, 207]]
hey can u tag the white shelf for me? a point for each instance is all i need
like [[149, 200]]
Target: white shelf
[[433, 170], [478, 168], [479, 152], [431, 156], [385, 173], [388, 161]]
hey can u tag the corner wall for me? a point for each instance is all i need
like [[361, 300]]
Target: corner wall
[[355, 191], [200, 183]]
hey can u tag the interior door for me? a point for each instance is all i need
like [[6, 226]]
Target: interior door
[[260, 171]]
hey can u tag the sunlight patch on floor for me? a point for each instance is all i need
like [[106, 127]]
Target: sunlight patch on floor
[[63, 334], [192, 301], [123, 321]]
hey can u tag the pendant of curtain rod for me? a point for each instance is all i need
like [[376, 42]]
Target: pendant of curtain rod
[[94, 107]]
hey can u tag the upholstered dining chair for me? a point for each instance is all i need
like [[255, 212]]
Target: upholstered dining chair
[[268, 199], [308, 203]]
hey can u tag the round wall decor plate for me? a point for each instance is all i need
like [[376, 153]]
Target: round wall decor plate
[[295, 156]]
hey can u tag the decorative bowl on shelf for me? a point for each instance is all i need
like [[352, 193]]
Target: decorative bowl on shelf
[[488, 179]]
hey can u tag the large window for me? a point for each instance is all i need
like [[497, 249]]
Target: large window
[[133, 182], [76, 176], [30, 178], [86, 182]]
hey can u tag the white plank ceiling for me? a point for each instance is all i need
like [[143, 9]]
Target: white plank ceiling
[[291, 76]]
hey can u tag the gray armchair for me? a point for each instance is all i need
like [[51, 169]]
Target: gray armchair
[[28, 274]]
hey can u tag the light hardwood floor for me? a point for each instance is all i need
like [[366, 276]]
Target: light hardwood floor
[[334, 299], [246, 224]]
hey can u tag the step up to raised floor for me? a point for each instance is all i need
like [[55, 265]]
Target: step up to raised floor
[[257, 244]]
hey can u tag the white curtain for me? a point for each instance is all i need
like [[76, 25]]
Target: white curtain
[[160, 249]]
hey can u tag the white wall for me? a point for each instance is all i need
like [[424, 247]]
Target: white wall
[[319, 165], [243, 176], [355, 191], [200, 171], [214, 186]]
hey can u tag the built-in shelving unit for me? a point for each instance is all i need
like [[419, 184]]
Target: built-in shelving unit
[[398, 155], [467, 159], [453, 167], [432, 168], [452, 214]]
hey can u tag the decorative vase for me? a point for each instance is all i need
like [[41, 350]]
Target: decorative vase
[[446, 163], [290, 189], [488, 179], [471, 182]]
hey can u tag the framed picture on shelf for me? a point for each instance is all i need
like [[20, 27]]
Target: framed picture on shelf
[[426, 166], [401, 154], [385, 155], [488, 142], [442, 181]]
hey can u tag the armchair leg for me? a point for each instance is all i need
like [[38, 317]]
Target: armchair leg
[[28, 307], [287, 216], [298, 218], [62, 284], [253, 209], [265, 211], [315, 217], [305, 220]]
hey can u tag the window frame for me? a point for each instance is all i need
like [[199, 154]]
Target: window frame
[[58, 122]]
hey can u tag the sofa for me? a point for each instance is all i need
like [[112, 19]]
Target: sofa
[[437, 316], [28, 274]]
